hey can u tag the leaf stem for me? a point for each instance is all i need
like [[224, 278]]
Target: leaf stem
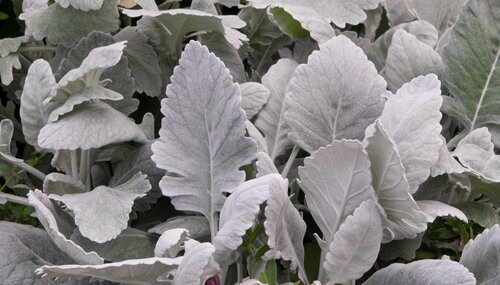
[[290, 161], [28, 168], [84, 173], [38, 49], [14, 199], [239, 268], [10, 178], [74, 164]]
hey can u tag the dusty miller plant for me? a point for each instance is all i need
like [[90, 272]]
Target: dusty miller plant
[[190, 145]]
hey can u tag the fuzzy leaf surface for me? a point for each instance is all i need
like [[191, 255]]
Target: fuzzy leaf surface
[[284, 227], [472, 63], [404, 218], [334, 190], [427, 271], [482, 256], [146, 271], [336, 95], [411, 117], [271, 119], [202, 143], [355, 245], [102, 214], [240, 211]]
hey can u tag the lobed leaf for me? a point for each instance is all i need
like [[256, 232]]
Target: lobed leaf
[[103, 213], [327, 101], [202, 143]]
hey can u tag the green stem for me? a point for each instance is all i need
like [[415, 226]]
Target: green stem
[[38, 49], [290, 161], [84, 174], [10, 178], [14, 199]]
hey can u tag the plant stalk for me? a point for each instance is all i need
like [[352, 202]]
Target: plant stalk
[[14, 199], [84, 174], [290, 161], [28, 168]]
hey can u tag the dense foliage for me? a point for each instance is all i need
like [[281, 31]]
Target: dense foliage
[[250, 142]]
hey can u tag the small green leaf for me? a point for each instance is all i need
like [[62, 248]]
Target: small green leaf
[[3, 16], [272, 272], [288, 25]]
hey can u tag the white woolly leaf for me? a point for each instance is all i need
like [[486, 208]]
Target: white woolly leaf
[[240, 211], [355, 245], [336, 179], [170, 241], [102, 214], [147, 271], [253, 96], [202, 143], [90, 125], [404, 219], [427, 271], [411, 117], [34, 111], [482, 256], [271, 120], [54, 221], [326, 99]]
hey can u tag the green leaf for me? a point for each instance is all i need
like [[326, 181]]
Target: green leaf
[[482, 214], [47, 22], [129, 244], [288, 24], [472, 63], [143, 61], [316, 16], [271, 272]]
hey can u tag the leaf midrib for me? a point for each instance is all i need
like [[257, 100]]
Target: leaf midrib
[[485, 90]]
